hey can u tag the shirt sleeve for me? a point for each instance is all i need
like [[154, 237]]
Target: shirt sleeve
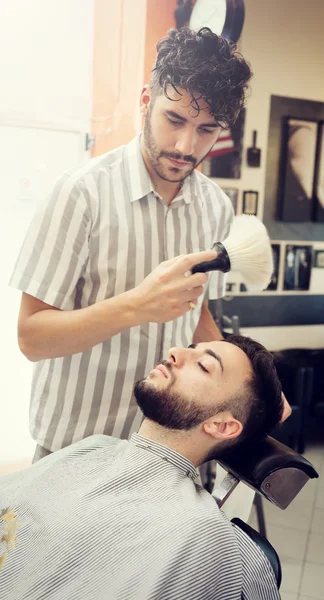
[[55, 251], [217, 280]]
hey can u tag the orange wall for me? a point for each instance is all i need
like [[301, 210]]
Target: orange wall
[[117, 70], [125, 35], [159, 19]]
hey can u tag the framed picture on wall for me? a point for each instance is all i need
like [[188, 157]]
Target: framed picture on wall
[[232, 193], [319, 182], [298, 264], [273, 285], [319, 259], [225, 158], [296, 181], [250, 202]]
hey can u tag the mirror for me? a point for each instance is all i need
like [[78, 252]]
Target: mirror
[[223, 17]]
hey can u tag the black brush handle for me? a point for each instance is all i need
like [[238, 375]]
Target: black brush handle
[[220, 263], [254, 139]]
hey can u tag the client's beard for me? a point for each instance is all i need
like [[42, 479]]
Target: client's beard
[[170, 410]]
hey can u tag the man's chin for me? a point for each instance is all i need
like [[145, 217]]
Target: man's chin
[[155, 379], [174, 175]]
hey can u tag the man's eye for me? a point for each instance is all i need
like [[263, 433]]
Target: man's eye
[[174, 122], [203, 368], [208, 130]]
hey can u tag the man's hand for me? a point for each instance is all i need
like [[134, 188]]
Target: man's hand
[[287, 410], [170, 290]]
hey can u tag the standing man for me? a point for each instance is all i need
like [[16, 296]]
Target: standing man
[[104, 267]]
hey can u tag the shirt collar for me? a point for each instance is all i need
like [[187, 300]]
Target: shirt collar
[[140, 183], [181, 462]]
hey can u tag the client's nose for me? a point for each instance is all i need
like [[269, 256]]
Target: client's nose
[[177, 356]]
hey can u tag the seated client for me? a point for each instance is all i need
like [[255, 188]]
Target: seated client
[[114, 519]]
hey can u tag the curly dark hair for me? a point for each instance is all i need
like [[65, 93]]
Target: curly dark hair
[[206, 66], [261, 408]]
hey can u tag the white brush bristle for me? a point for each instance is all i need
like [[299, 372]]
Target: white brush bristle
[[249, 250]]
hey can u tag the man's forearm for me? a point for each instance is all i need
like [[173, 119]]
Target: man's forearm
[[207, 330], [164, 295], [53, 333]]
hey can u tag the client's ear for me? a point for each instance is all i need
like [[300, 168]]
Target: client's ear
[[223, 426]]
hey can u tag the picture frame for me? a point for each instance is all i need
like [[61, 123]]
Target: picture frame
[[319, 259], [276, 250], [225, 158], [319, 176], [250, 202], [298, 265], [232, 193], [297, 171]]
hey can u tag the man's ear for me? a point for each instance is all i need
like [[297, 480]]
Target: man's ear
[[145, 99], [223, 426]]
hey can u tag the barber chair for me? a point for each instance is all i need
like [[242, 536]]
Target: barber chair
[[296, 373], [274, 472]]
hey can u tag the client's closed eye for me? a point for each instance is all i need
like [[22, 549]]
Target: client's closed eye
[[203, 368]]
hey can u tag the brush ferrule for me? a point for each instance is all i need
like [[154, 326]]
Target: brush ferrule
[[220, 263]]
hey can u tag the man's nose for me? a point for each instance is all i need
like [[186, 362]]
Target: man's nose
[[178, 356], [186, 142]]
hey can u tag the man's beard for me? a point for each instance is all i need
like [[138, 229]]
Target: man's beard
[[169, 409], [171, 174]]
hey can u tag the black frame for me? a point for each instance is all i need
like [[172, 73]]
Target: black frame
[[234, 21], [318, 209], [227, 165], [303, 278], [280, 107], [293, 203], [276, 250]]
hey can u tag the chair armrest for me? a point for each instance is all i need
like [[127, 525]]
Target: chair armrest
[[264, 545]]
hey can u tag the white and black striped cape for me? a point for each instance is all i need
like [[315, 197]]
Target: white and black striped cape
[[110, 519]]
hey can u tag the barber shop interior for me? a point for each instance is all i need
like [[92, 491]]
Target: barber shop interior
[[162, 413]]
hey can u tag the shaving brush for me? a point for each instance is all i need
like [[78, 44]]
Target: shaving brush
[[246, 250]]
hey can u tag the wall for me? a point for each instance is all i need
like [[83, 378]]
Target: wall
[[122, 64], [45, 110], [158, 24], [284, 43], [118, 66]]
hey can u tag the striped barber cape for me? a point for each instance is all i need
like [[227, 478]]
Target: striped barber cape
[[111, 519]]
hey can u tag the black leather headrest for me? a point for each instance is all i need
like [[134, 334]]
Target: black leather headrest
[[270, 468]]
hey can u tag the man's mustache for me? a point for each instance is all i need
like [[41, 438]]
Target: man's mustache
[[168, 365], [185, 158]]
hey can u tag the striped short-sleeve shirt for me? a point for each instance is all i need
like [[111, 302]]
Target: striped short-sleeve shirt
[[110, 519], [101, 232]]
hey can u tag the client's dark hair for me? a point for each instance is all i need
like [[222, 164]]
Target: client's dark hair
[[260, 409], [207, 67]]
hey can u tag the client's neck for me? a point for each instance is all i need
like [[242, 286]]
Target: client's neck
[[183, 442]]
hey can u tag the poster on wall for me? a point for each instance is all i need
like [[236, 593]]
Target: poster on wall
[[319, 185], [273, 285], [298, 264], [298, 159], [225, 158]]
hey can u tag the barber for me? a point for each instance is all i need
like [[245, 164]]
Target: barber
[[102, 269]]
